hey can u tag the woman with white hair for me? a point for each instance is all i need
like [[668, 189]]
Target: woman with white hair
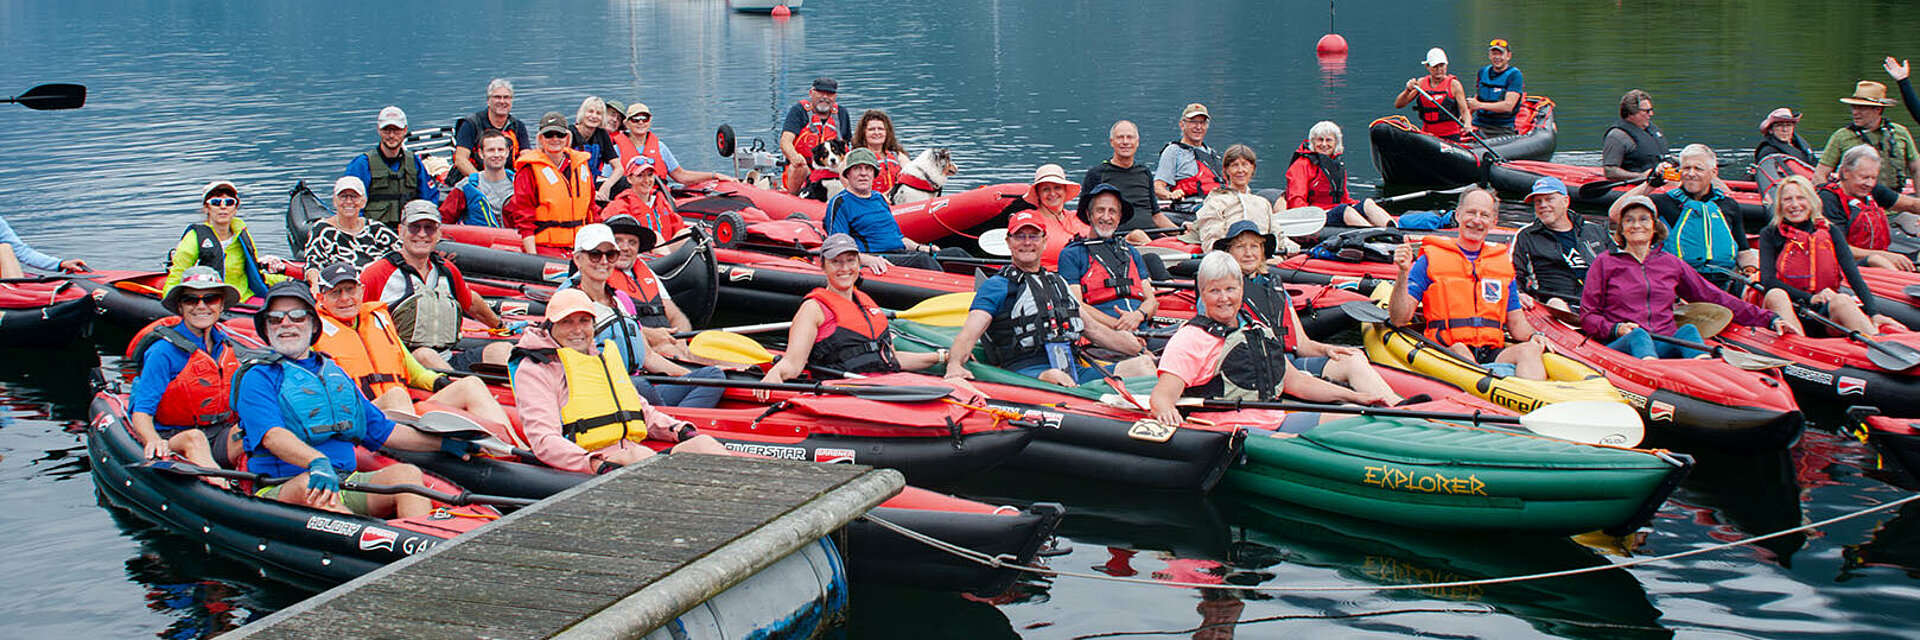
[[589, 137], [1317, 178], [1230, 353]]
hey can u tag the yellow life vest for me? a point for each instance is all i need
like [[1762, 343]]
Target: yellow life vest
[[602, 405]]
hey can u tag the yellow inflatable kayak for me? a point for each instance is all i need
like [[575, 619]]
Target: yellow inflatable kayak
[[1567, 379]]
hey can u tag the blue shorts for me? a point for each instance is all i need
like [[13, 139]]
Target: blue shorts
[[1313, 365], [1082, 374], [1337, 216]]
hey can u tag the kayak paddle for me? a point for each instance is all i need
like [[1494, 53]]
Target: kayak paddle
[[1892, 356], [944, 310], [890, 393], [1735, 357], [1588, 421], [49, 97], [447, 424], [1462, 123], [1709, 318], [1595, 189], [1912, 290], [1363, 311], [994, 243], [726, 346], [461, 499], [1422, 194]]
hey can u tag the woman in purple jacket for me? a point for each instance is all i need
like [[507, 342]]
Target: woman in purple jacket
[[1630, 291]]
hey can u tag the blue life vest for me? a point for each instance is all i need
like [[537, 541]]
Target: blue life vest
[[1701, 235], [318, 406], [1494, 89], [478, 212]]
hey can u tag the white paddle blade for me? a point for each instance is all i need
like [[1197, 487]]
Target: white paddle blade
[[1299, 221], [1164, 252], [1751, 361], [448, 423], [1591, 421], [994, 242]]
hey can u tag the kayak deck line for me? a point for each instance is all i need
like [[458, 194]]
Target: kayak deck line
[[620, 555]]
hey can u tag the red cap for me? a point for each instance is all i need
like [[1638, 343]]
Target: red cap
[[1023, 220]]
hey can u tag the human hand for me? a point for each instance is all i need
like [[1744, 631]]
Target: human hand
[[1657, 176], [1058, 377], [1410, 83], [876, 264], [1341, 351], [1880, 320], [458, 448], [1624, 328], [1403, 256], [158, 449], [774, 376], [1129, 320], [1168, 416], [74, 265], [1896, 68], [323, 484]]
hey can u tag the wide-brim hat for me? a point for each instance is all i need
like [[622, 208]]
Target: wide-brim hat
[[1778, 116], [630, 225], [1869, 94], [1050, 174], [1085, 210], [1271, 246], [200, 278]]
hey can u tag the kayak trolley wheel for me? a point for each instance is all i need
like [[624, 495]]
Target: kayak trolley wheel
[[728, 229]]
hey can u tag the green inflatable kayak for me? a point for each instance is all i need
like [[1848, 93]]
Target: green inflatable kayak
[[1434, 475]]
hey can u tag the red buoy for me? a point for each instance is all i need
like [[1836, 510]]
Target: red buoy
[[1331, 44], [781, 11]]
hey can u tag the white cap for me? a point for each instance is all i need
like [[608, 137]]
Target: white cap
[[349, 183], [592, 236], [394, 117], [1435, 56]]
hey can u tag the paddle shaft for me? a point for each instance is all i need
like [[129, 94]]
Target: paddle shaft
[[1907, 360], [462, 498], [1463, 124], [871, 392], [1422, 194], [1384, 412]]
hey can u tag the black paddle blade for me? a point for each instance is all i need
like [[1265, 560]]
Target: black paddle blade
[[1892, 356], [895, 394], [50, 97], [1364, 311], [1912, 290], [1597, 188]]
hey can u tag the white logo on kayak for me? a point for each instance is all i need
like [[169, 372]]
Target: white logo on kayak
[[333, 526], [833, 456], [770, 451], [376, 538]]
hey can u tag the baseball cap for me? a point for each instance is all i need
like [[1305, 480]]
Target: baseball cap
[[638, 108], [1195, 109], [416, 210], [349, 183], [335, 274], [1638, 201], [1501, 44], [826, 84], [1023, 220], [553, 121], [837, 244], [392, 117], [592, 236], [1435, 56], [218, 185], [1546, 185], [566, 302]]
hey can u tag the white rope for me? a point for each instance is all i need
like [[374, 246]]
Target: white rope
[[1008, 562]]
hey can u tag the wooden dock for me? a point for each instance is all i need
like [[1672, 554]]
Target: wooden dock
[[615, 557]]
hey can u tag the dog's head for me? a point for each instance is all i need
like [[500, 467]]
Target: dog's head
[[943, 161], [829, 154]]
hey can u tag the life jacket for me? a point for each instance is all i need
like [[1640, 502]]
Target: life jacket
[[643, 288], [1649, 145], [1267, 299], [479, 212], [1433, 119], [314, 406], [655, 209], [481, 125], [213, 255], [198, 396], [1494, 89], [1207, 172], [904, 179], [1043, 311], [1866, 219], [889, 173], [426, 316], [389, 190], [1111, 271], [1808, 261], [369, 350], [860, 341], [1893, 172], [624, 144], [602, 405], [1467, 302], [1770, 145], [821, 127], [563, 196], [1252, 361], [1701, 235], [1331, 170], [621, 330]]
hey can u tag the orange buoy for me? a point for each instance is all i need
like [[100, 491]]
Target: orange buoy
[[1331, 44], [781, 11]]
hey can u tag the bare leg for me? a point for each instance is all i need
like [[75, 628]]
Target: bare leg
[[430, 359], [192, 445], [1525, 358], [469, 394], [402, 505], [1354, 217], [1848, 313], [1358, 374], [295, 492], [497, 353], [1781, 305], [395, 399], [1134, 367], [1058, 377], [9, 264], [1375, 213]]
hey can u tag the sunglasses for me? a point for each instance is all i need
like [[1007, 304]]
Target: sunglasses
[[554, 134], [283, 317], [223, 201], [644, 117], [202, 299], [600, 256], [423, 228]]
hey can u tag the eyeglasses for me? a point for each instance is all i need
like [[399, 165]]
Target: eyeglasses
[[201, 299], [423, 228], [554, 134], [283, 317], [223, 201], [600, 256], [349, 195], [1028, 237]]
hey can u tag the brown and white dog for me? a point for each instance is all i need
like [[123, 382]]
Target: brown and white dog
[[923, 178]]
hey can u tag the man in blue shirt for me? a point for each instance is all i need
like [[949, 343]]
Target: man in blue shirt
[[1106, 273], [1500, 92], [301, 415], [15, 252], [399, 178], [863, 213]]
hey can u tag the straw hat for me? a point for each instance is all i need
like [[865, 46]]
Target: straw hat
[[1050, 174], [1869, 94]]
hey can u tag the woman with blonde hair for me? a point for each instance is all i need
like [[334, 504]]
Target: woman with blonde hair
[[589, 137], [1805, 263]]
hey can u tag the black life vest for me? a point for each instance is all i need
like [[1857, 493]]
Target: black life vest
[[1266, 297], [860, 341], [1330, 167], [1649, 145], [1252, 362], [1043, 311], [389, 190]]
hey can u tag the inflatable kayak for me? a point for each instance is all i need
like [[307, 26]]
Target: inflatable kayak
[[1406, 155], [43, 312], [1514, 179], [928, 221], [1897, 440], [1704, 401], [1567, 379], [1833, 371], [1430, 474]]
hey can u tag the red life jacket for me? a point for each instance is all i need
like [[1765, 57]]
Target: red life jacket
[[198, 396], [904, 179], [860, 341], [1467, 302], [643, 288], [1111, 272], [821, 127], [889, 173], [1207, 171], [1807, 261], [1331, 171], [1866, 219], [1432, 119]]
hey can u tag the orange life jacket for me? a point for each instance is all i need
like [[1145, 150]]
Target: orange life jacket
[[369, 350], [1432, 120], [563, 196], [860, 341], [643, 288], [198, 396], [1808, 262], [1467, 302], [889, 173], [628, 151], [1866, 219]]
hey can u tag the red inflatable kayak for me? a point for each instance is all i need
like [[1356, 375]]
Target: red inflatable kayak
[[928, 221], [1834, 371]]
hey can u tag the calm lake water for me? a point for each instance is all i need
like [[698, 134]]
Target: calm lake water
[[267, 94]]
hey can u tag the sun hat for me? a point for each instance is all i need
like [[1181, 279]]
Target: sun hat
[[630, 225], [618, 107], [1869, 94], [859, 157], [566, 302], [1049, 174], [1085, 209], [200, 278], [1778, 116], [1271, 246], [296, 289]]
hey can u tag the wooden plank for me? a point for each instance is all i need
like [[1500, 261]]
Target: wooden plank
[[638, 569], [530, 578]]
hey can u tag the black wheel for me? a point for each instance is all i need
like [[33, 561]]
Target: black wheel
[[723, 140], [728, 229]]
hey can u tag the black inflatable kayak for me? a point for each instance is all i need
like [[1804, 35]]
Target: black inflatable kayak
[[1404, 155]]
